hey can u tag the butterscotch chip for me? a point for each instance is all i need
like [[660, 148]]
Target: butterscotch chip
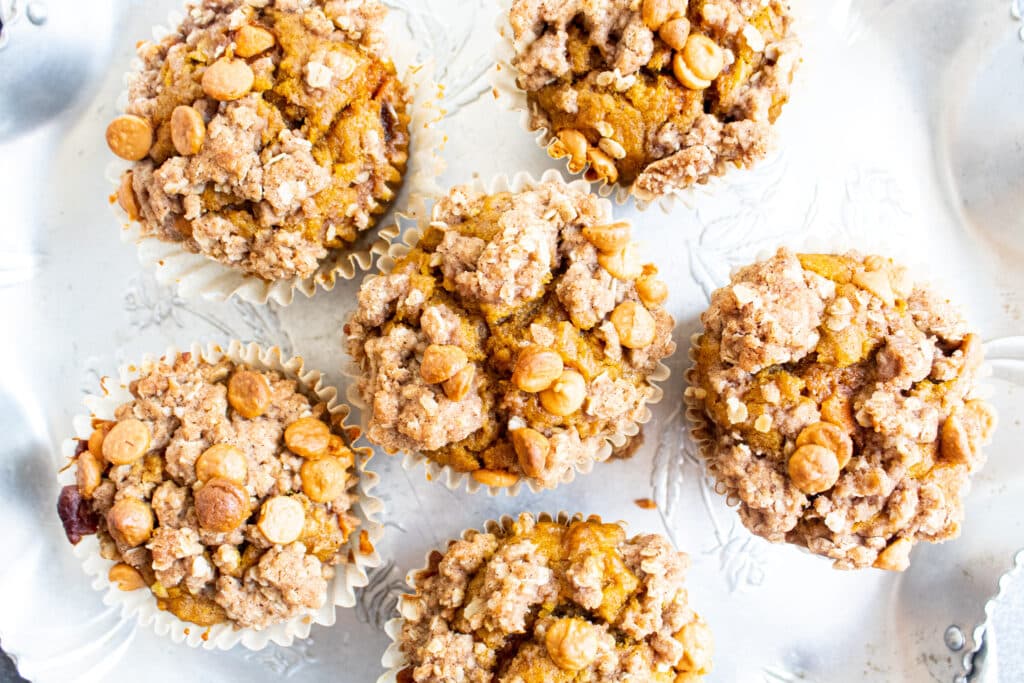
[[308, 437], [227, 79], [249, 393], [682, 91], [221, 505], [126, 442], [182, 515], [273, 138], [836, 400], [188, 130], [253, 40], [130, 137], [544, 621], [282, 519], [510, 290]]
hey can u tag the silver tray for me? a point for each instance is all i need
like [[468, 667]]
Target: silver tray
[[905, 134]]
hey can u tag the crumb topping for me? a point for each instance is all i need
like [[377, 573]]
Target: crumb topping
[[840, 408], [515, 338], [225, 490], [265, 135], [655, 94], [545, 601]]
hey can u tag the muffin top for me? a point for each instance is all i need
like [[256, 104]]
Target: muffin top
[[659, 94], [516, 337], [837, 400], [265, 135], [545, 601], [227, 490]]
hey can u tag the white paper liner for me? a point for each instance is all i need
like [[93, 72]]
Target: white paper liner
[[393, 659], [699, 428], [511, 97], [451, 478], [197, 275], [141, 604]]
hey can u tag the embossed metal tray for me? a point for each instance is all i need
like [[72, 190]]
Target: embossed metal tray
[[905, 132]]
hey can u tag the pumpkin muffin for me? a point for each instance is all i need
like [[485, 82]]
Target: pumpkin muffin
[[518, 336], [655, 94], [264, 135], [556, 602], [836, 402], [225, 490]]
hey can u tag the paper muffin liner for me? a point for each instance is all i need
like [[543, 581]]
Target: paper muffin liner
[[452, 478], [197, 275], [141, 605], [702, 431], [394, 660], [511, 97]]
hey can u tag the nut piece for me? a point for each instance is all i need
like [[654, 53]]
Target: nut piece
[[609, 239], [221, 505], [323, 480], [253, 40], [703, 57], [126, 198], [829, 436], [458, 385], [532, 449], [675, 32], [813, 468], [126, 442], [130, 137], [571, 644], [495, 478], [441, 362], [249, 393], [130, 522], [536, 369], [566, 395], [624, 265], [656, 12], [652, 291], [896, 556], [228, 79], [308, 437], [282, 519], [126, 577], [188, 130], [635, 325], [222, 461], [876, 282], [89, 473]]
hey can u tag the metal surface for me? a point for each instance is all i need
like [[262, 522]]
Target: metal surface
[[905, 133]]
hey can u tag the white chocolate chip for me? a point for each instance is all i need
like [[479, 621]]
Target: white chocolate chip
[[318, 76], [763, 423], [736, 411], [744, 293], [753, 38]]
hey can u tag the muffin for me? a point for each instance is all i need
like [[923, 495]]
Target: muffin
[[565, 600], [227, 491], [518, 336], [265, 136], [655, 95], [836, 403]]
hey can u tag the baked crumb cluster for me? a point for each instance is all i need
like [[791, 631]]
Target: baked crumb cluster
[[266, 134], [838, 405], [514, 339], [656, 94], [226, 490], [545, 601]]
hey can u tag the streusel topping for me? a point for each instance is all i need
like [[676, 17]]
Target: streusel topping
[[655, 94], [838, 401], [544, 601], [265, 135], [514, 339], [225, 490]]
